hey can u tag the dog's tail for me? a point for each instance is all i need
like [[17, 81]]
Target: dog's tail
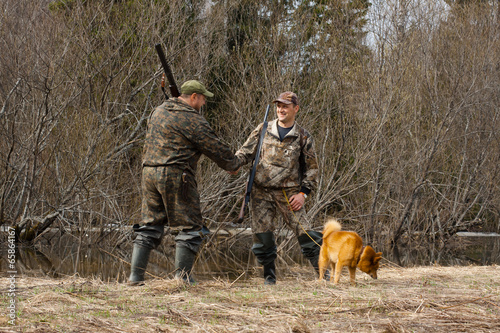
[[331, 225]]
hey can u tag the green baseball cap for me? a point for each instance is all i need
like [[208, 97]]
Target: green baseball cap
[[193, 86]]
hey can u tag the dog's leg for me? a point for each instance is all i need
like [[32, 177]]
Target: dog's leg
[[352, 273], [322, 268], [338, 271], [323, 263], [332, 270]]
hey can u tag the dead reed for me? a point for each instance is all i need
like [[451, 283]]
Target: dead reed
[[418, 299]]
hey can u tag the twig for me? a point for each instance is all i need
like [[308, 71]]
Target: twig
[[329, 306], [391, 263], [189, 320], [354, 310], [492, 304], [466, 302], [421, 303], [237, 279]]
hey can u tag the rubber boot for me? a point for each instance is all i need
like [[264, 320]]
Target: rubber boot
[[184, 260], [270, 274], [310, 245], [139, 262], [264, 248]]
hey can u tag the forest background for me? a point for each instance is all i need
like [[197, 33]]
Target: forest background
[[401, 96]]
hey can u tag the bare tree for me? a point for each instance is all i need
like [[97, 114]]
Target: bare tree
[[405, 116]]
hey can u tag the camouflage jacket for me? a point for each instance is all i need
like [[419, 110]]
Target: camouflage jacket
[[178, 135], [282, 164]]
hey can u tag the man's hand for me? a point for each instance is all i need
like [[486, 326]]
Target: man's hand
[[297, 201], [232, 173]]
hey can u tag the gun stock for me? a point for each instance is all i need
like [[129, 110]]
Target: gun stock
[[254, 169], [168, 72], [241, 217]]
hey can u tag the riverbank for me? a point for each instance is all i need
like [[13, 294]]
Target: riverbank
[[417, 299]]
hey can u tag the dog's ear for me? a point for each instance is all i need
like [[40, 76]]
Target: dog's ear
[[378, 254], [377, 259]]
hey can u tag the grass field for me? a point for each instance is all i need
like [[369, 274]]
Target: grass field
[[418, 299]]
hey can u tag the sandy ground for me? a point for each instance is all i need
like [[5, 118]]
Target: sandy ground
[[419, 299]]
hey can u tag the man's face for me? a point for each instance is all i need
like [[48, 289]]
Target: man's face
[[198, 100], [286, 113]]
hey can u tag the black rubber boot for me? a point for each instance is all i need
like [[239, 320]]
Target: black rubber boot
[[187, 244], [184, 260], [139, 262], [270, 274], [310, 245], [264, 248]]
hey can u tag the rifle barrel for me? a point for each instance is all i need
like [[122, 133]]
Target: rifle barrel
[[168, 72], [254, 168]]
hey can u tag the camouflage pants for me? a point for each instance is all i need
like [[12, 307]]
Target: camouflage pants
[[265, 204], [169, 198]]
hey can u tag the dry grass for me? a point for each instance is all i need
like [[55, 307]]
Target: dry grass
[[420, 299]]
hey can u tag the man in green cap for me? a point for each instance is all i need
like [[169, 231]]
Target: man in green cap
[[177, 136]]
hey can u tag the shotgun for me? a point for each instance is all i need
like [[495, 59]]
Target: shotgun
[[254, 169], [166, 68]]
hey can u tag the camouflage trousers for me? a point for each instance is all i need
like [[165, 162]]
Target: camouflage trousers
[[169, 198], [270, 209]]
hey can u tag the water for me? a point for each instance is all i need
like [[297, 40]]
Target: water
[[226, 259], [462, 250]]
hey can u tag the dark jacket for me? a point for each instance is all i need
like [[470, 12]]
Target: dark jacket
[[178, 135]]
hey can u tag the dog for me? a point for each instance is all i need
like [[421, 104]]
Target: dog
[[345, 248]]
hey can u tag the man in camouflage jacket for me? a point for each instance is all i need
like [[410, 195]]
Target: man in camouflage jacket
[[176, 138], [286, 173]]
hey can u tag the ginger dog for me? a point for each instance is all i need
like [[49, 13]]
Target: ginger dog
[[345, 248]]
